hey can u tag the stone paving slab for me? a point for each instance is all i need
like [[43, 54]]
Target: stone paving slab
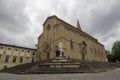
[[109, 75]]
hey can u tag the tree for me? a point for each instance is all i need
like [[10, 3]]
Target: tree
[[116, 50], [110, 56]]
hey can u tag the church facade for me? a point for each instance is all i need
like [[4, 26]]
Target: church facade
[[61, 38]]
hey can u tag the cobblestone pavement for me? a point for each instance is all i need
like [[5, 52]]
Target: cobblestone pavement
[[110, 75]]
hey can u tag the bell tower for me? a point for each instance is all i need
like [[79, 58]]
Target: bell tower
[[78, 25]]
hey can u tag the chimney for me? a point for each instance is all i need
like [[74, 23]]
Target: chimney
[[78, 25]]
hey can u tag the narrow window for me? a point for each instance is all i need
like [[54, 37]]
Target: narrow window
[[71, 44], [96, 53], [7, 58], [16, 49], [21, 59], [0, 56], [33, 54], [14, 59], [91, 49]]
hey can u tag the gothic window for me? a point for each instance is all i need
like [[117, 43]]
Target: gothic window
[[48, 27], [14, 59], [84, 47], [71, 44], [99, 53], [21, 59], [91, 49], [7, 58], [95, 52], [33, 54]]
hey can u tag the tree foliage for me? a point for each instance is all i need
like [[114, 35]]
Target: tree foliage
[[114, 55], [110, 56], [116, 50]]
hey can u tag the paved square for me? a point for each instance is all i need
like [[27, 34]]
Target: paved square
[[110, 75]]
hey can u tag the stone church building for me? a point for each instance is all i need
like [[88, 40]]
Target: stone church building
[[72, 42]]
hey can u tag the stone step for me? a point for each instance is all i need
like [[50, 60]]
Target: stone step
[[71, 66], [53, 70], [76, 65]]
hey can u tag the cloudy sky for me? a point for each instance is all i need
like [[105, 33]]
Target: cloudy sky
[[21, 20]]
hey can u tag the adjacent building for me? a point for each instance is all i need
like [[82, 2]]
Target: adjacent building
[[11, 55]]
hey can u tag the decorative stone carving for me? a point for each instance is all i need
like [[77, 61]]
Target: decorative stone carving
[[59, 49]]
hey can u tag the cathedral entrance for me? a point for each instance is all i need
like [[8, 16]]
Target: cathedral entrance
[[59, 50], [57, 53]]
